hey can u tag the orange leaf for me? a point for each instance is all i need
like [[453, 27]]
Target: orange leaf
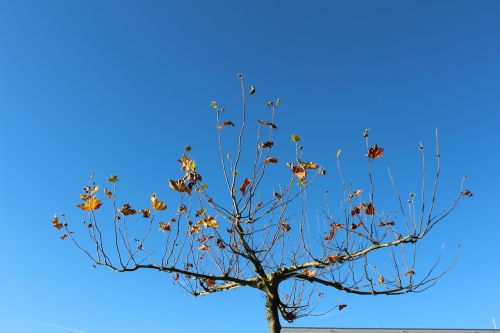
[[333, 258], [63, 237], [55, 223], [209, 282], [309, 165], [285, 227], [270, 160], [91, 204], [157, 203], [243, 187], [381, 279], [375, 152]]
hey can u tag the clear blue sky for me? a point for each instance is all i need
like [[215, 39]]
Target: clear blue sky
[[121, 86]]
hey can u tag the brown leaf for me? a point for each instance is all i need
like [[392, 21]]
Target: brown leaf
[[182, 209], [179, 186], [200, 212], [298, 171], [252, 90], [333, 257], [243, 187], [210, 222], [266, 144], [467, 193], [355, 226], [266, 123], [127, 210], [165, 226], [356, 210], [270, 160], [355, 193], [277, 196], [146, 213], [108, 193], [381, 279], [309, 165], [187, 164], [375, 152], [203, 247], [410, 272], [285, 227], [209, 282], [369, 209], [63, 237], [55, 223], [157, 203], [342, 306], [226, 123], [383, 224], [204, 239], [220, 243]]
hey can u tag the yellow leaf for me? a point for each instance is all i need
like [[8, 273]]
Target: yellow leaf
[[91, 204], [200, 212], [94, 190], [210, 222], [157, 203], [380, 279], [203, 247]]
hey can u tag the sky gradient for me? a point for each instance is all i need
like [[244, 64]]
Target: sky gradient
[[121, 86]]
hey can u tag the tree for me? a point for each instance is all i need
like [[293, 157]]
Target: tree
[[259, 236]]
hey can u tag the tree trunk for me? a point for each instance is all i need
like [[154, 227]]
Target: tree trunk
[[272, 315]]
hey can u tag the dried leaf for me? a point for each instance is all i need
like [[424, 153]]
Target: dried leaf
[[157, 203], [63, 237], [369, 209], [113, 179], [108, 193], [127, 210], [355, 193], [342, 306], [355, 226], [383, 224], [375, 152], [91, 204], [410, 272], [182, 209], [270, 103], [333, 257], [252, 90], [179, 186], [226, 123], [277, 196], [365, 133], [298, 171], [209, 283], [309, 165], [266, 144], [214, 105], [381, 279], [203, 247], [146, 213], [200, 212], [165, 226], [356, 210], [55, 223], [187, 164], [94, 190], [467, 193], [270, 160], [295, 138], [210, 222], [308, 273], [220, 243], [285, 227], [204, 239], [243, 187], [266, 123]]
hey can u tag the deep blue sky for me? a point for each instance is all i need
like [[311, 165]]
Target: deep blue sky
[[121, 87]]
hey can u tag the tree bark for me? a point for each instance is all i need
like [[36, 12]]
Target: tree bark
[[272, 315]]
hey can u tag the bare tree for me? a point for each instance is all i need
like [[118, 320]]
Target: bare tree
[[259, 236]]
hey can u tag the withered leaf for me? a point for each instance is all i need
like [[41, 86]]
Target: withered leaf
[[210, 222], [91, 204], [308, 273], [381, 279], [182, 209], [226, 123], [187, 164], [113, 179], [355, 226], [375, 152], [266, 123], [108, 193], [285, 227], [298, 171], [342, 306], [266, 144], [165, 226], [333, 257], [309, 165], [356, 210], [127, 210], [467, 193], [204, 239], [243, 187], [146, 213], [203, 247], [369, 209], [410, 272], [63, 237], [355, 193], [179, 186], [252, 90], [157, 203], [209, 283], [383, 224], [270, 160], [270, 103], [220, 243], [200, 212], [55, 223], [277, 196]]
